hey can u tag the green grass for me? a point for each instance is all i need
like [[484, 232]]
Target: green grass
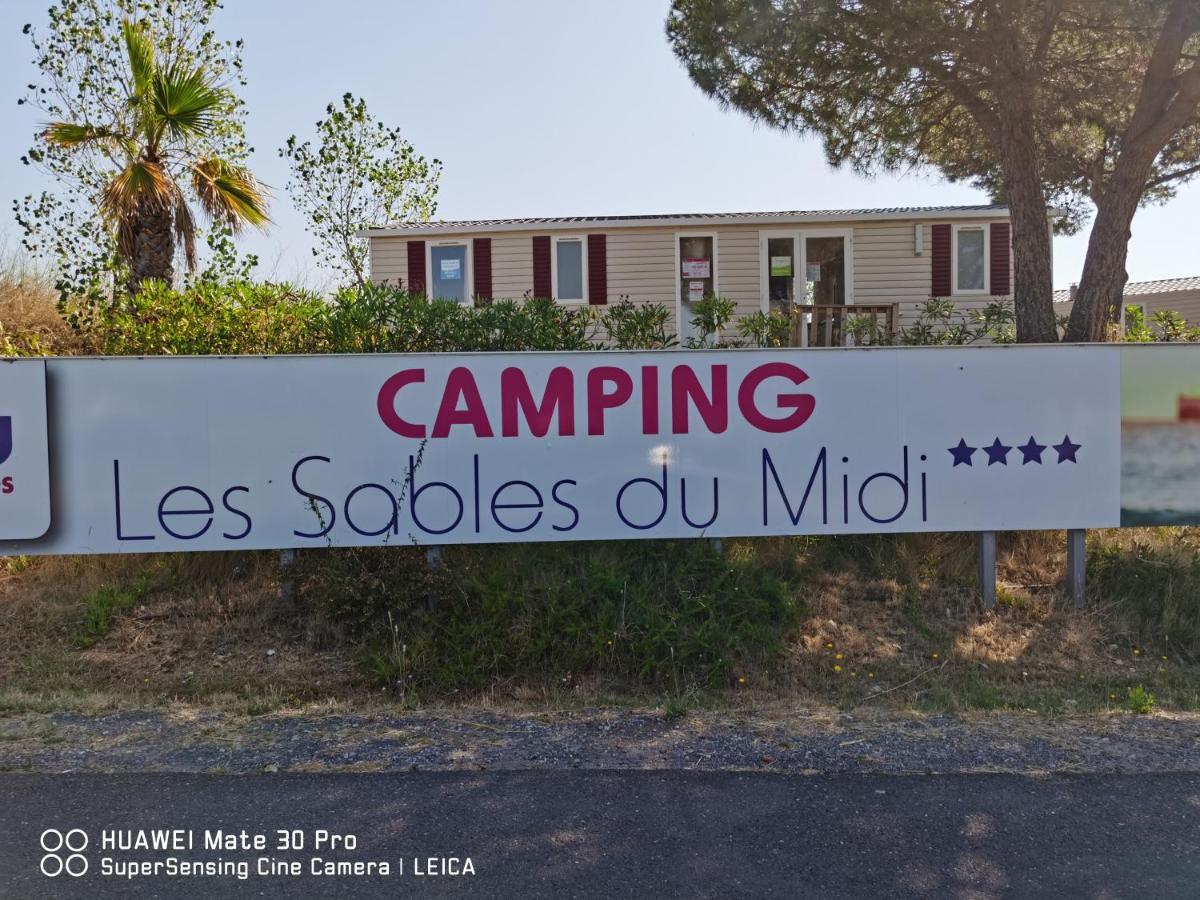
[[1157, 587], [672, 614], [103, 604]]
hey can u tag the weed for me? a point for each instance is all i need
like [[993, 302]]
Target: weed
[[1139, 700], [102, 604]]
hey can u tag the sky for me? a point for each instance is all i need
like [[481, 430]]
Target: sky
[[536, 108]]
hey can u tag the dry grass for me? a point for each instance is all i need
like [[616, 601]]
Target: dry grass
[[900, 620], [29, 317], [910, 632], [205, 629]]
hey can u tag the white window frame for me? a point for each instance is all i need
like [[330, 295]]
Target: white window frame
[[468, 275], [799, 238], [571, 238], [716, 273], [955, 290]]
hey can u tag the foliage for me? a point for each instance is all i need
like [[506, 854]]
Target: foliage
[[766, 329], [1140, 700], [206, 319], [361, 174], [103, 604], [386, 319], [636, 326], [211, 317], [667, 613], [1047, 104], [891, 85], [1157, 583], [941, 323], [1165, 325], [710, 317], [1136, 329], [100, 97]]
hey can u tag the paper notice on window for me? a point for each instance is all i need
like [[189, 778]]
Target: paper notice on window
[[451, 269], [697, 267], [813, 272], [695, 291], [781, 265]]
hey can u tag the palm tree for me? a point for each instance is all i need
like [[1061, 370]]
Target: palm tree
[[157, 144]]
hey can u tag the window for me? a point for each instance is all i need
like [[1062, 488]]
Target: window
[[569, 263], [825, 271], [448, 264], [970, 259], [695, 277], [781, 271]]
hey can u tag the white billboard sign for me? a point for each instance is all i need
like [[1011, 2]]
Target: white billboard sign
[[238, 453]]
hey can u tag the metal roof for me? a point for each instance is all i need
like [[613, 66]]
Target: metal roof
[[690, 219], [1135, 288]]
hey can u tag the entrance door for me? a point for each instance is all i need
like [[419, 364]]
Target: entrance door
[[825, 288]]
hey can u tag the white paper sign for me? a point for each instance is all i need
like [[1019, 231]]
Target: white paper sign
[[239, 453], [697, 267], [24, 450], [813, 271], [451, 269], [695, 291]]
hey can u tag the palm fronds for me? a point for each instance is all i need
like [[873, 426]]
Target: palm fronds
[[229, 193]]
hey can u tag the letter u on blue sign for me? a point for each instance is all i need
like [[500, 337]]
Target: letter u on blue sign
[[5, 437]]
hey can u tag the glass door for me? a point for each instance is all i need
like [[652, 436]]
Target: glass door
[[697, 277], [824, 258]]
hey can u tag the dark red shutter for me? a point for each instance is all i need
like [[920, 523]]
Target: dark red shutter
[[597, 274], [416, 267], [940, 251], [541, 267], [1001, 262], [481, 252]]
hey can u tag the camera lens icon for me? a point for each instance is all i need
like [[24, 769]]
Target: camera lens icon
[[54, 842]]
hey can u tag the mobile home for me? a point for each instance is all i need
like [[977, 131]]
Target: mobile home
[[833, 263]]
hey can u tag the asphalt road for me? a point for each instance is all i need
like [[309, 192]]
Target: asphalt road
[[624, 834]]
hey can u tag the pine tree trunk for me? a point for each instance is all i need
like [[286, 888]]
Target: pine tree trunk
[[153, 245], [1102, 285], [1033, 278]]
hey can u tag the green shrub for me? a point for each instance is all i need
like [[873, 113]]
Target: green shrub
[[1139, 700], [250, 318], [766, 329], [711, 316], [665, 613], [207, 319], [637, 326], [384, 319]]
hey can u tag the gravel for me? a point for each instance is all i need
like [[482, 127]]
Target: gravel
[[799, 742]]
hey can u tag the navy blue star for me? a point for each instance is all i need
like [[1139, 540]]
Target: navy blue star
[[962, 453], [1031, 452], [1066, 450], [997, 453]]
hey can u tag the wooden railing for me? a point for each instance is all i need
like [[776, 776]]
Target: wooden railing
[[838, 325]]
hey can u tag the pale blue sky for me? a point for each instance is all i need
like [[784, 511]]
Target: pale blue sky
[[536, 107]]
